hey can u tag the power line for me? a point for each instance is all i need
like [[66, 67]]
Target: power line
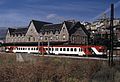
[[106, 11]]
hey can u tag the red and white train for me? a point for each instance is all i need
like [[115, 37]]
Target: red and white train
[[59, 50]]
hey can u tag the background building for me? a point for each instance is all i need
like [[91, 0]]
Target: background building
[[38, 31]]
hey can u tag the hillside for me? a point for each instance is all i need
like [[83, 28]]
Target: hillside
[[2, 33]]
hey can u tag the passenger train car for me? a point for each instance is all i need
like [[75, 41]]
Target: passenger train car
[[60, 50]]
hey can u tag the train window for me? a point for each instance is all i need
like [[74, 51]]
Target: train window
[[60, 49], [56, 49], [64, 49], [75, 49], [52, 49], [28, 48], [79, 49], [36, 48], [21, 48], [67, 49], [49, 49], [71, 49], [31, 48], [46, 48]]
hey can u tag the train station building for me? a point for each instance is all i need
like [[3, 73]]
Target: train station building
[[70, 31]]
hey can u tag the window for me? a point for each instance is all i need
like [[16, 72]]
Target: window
[[30, 29], [57, 37], [56, 49], [51, 38], [63, 29], [71, 49], [64, 37], [64, 49], [49, 49], [31, 48], [28, 48], [75, 49], [20, 34], [33, 38], [41, 37], [46, 48], [36, 48], [28, 38], [52, 49], [60, 49], [46, 37], [67, 49]]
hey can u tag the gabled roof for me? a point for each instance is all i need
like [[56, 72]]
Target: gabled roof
[[56, 27], [20, 31], [39, 24], [85, 30], [11, 30], [17, 30], [69, 24], [72, 27], [51, 28], [76, 26]]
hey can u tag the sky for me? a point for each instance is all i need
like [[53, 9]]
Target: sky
[[16, 13]]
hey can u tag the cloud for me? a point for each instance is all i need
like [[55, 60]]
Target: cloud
[[50, 16], [55, 18]]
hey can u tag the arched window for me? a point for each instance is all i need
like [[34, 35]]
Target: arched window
[[64, 37], [33, 38], [57, 37], [28, 38]]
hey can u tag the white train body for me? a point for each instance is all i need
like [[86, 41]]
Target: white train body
[[57, 50]]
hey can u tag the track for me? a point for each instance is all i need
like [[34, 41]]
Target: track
[[73, 57]]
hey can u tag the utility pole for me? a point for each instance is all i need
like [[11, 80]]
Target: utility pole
[[38, 44], [111, 36], [48, 45]]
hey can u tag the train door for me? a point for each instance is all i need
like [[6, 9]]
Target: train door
[[86, 51], [11, 49]]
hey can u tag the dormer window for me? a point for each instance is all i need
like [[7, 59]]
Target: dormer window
[[57, 37]]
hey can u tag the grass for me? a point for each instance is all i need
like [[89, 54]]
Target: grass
[[47, 69]]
